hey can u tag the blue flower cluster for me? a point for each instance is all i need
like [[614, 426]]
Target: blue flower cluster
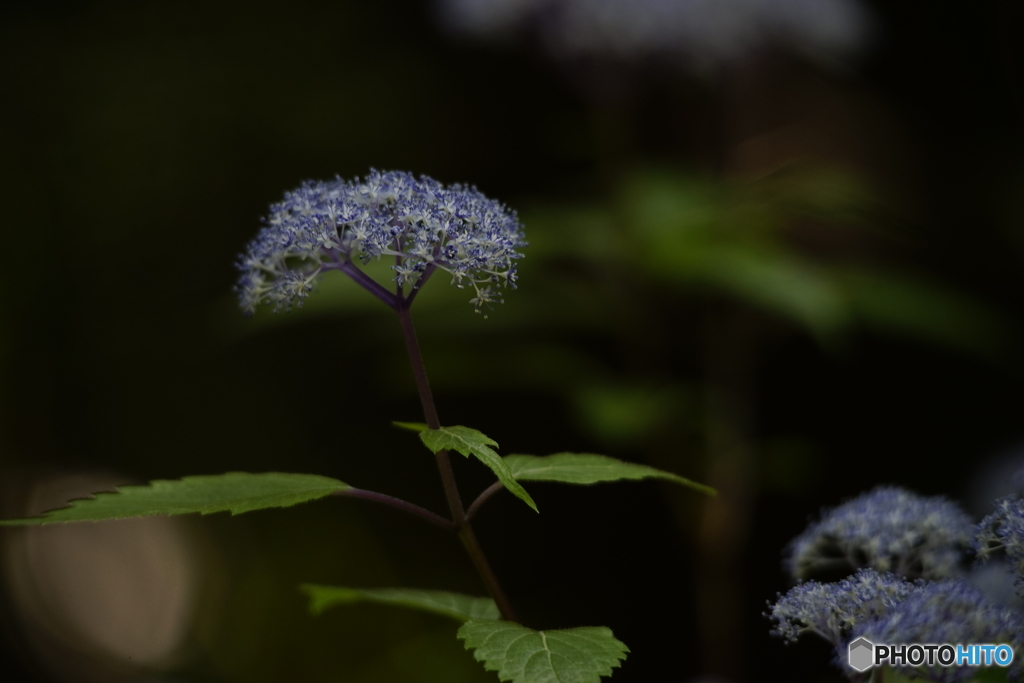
[[889, 529], [834, 610], [951, 611], [422, 224], [1002, 532], [905, 559]]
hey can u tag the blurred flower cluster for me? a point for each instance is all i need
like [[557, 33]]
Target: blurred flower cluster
[[701, 32], [889, 530], [912, 573]]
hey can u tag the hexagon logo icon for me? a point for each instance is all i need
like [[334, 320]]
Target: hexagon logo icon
[[862, 654]]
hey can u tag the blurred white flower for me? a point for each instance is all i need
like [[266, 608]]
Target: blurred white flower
[[701, 33]]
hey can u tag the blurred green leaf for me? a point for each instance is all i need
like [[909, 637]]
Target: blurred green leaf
[[431, 657], [411, 426], [234, 492], [582, 232], [832, 194], [689, 232], [894, 676], [988, 674], [777, 282], [455, 605], [522, 655], [624, 413], [927, 310], [471, 442], [670, 208], [589, 468]]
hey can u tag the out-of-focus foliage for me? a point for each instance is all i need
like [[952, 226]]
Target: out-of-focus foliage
[[737, 238]]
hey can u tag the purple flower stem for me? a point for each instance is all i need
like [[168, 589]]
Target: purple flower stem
[[398, 264], [451, 489], [484, 496], [400, 504], [368, 283]]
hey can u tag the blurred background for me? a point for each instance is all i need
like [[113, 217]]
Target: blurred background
[[776, 247]]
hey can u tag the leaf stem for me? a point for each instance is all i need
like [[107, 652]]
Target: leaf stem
[[484, 496], [444, 465], [400, 504]]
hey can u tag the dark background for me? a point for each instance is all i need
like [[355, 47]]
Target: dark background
[[142, 142]]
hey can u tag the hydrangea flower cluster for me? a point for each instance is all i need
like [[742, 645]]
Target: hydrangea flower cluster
[[888, 529], [922, 542], [1003, 532], [422, 224], [834, 610], [951, 611], [702, 32]]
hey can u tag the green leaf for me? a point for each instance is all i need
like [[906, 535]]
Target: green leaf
[[471, 442], [455, 605], [411, 426], [589, 468], [234, 492], [522, 655]]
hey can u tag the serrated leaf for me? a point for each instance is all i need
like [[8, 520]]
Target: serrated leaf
[[455, 605], [410, 426], [522, 655], [471, 442], [234, 492], [589, 468]]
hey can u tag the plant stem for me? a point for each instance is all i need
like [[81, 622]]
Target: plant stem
[[368, 283], [444, 465], [484, 496], [400, 504]]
